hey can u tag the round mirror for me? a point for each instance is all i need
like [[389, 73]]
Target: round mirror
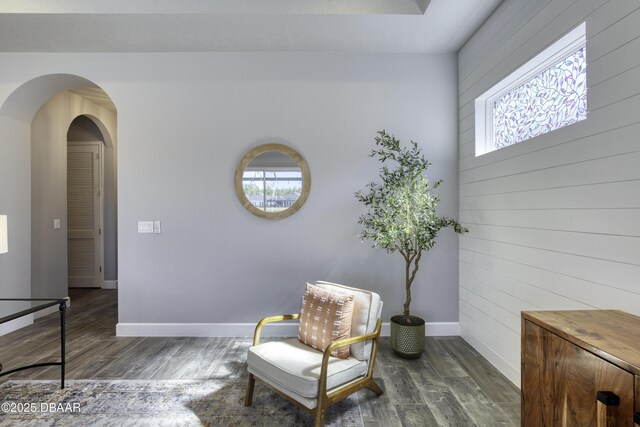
[[272, 181]]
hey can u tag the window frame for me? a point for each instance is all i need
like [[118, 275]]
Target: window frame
[[264, 179], [575, 40]]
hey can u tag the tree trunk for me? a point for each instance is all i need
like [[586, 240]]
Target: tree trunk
[[407, 284], [410, 274]]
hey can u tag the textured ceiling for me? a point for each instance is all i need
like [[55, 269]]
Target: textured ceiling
[[390, 26], [216, 6]]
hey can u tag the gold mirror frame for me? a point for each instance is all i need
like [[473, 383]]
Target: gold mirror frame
[[280, 148]]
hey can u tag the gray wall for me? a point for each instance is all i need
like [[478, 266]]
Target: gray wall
[[84, 129], [185, 120], [15, 188], [555, 220], [15, 266]]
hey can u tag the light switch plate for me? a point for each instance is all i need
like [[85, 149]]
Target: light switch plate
[[56, 224], [156, 227], [145, 226]]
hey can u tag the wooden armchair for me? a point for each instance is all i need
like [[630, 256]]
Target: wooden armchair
[[314, 380]]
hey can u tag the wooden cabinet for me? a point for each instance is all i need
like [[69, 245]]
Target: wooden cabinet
[[580, 368]]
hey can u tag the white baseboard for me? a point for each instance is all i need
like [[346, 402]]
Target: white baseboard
[[50, 310], [203, 330], [16, 324], [27, 320], [508, 370], [110, 284], [433, 329]]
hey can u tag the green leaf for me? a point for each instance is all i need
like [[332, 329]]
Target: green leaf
[[402, 208]]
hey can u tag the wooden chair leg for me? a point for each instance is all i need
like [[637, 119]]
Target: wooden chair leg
[[250, 385], [374, 387], [319, 418]]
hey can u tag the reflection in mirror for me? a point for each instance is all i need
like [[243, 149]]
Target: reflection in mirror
[[272, 181]]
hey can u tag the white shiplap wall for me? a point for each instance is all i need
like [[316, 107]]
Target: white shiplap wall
[[554, 221]]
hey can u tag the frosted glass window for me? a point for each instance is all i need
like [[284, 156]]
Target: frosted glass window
[[546, 93], [555, 98]]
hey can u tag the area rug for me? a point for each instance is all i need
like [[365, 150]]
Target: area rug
[[155, 403]]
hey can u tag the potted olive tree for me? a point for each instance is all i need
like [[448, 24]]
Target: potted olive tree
[[401, 217]]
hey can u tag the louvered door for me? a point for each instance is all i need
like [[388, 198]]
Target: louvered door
[[83, 216]]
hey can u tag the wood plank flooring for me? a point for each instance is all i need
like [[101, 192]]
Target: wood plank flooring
[[451, 385]]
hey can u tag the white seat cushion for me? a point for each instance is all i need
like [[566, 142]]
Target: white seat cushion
[[295, 367]]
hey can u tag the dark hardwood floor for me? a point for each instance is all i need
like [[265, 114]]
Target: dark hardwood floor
[[450, 385]]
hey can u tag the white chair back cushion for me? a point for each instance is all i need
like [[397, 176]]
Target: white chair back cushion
[[367, 309]]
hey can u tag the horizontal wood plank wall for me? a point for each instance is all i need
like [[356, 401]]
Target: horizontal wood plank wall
[[554, 221]]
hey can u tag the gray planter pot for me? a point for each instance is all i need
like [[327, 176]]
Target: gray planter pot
[[407, 340]]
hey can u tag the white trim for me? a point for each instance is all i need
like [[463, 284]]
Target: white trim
[[566, 45], [442, 329], [110, 284], [50, 310], [16, 324], [203, 330], [433, 329], [47, 311], [508, 370], [28, 320]]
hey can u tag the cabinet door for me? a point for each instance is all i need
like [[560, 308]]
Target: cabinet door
[[637, 414], [537, 389], [560, 382]]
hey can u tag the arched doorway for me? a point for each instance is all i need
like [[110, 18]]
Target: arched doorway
[[91, 207], [36, 117]]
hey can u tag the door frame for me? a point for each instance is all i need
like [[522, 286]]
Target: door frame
[[101, 206]]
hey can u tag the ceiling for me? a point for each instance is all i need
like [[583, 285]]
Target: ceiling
[[385, 26]]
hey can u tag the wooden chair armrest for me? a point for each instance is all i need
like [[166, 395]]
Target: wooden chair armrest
[[375, 335], [349, 341], [271, 319]]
